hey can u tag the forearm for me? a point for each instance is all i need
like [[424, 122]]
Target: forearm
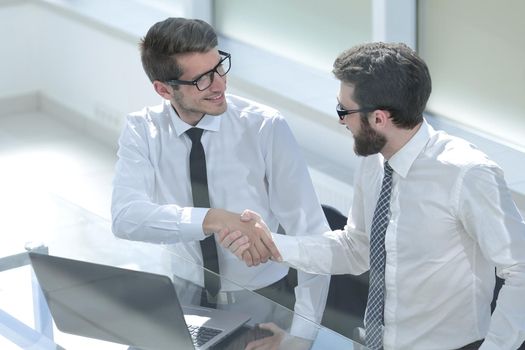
[[310, 294], [333, 252], [141, 220]]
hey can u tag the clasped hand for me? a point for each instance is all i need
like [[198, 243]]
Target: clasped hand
[[253, 246]]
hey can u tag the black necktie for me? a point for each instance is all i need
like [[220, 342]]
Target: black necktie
[[199, 190]]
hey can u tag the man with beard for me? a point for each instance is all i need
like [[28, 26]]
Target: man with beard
[[432, 218], [188, 166]]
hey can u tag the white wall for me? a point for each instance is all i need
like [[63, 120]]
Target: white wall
[[71, 62], [18, 71], [89, 71]]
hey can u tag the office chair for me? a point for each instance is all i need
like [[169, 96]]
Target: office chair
[[347, 296]]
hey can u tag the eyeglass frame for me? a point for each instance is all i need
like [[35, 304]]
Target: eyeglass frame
[[195, 82], [342, 113]]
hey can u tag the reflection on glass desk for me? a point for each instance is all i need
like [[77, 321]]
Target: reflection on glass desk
[[83, 237]]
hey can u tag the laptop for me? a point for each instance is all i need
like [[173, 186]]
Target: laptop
[[129, 307]]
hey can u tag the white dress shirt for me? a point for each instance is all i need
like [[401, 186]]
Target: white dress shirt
[[452, 221], [252, 160]]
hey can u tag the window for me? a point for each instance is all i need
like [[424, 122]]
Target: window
[[309, 31], [476, 56]]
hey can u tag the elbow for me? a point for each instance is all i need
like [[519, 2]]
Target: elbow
[[118, 226], [116, 229], [124, 231], [514, 275]]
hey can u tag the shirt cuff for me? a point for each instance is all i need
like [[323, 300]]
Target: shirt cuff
[[191, 220], [488, 345], [288, 246], [303, 328]]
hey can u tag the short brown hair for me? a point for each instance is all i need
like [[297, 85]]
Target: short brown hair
[[170, 37]]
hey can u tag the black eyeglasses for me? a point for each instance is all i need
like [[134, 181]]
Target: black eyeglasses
[[342, 113], [204, 81]]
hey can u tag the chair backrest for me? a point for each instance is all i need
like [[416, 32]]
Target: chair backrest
[[336, 219], [347, 296]]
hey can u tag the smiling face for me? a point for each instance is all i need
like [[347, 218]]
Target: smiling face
[[190, 103], [367, 141]]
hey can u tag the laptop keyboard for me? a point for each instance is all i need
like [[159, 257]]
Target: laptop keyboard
[[200, 335]]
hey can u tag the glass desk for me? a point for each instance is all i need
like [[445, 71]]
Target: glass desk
[[80, 235]]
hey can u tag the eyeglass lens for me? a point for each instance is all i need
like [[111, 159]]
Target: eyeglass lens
[[206, 79]]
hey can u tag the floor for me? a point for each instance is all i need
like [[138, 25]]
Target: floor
[[41, 155], [49, 174]]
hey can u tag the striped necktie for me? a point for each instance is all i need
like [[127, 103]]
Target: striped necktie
[[376, 293]]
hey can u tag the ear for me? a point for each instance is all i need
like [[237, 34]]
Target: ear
[[163, 89], [380, 118]]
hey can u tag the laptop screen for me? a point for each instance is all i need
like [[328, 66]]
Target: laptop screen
[[113, 304]]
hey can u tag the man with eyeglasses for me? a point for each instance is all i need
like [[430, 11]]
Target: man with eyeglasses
[[432, 218], [248, 158]]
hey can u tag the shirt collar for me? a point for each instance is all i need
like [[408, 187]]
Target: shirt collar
[[403, 159], [208, 122]]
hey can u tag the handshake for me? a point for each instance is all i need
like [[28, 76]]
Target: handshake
[[248, 238]]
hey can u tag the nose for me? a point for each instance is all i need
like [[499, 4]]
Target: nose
[[342, 121]]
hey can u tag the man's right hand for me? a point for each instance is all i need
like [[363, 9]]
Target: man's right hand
[[259, 246]]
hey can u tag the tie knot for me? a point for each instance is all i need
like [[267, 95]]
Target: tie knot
[[194, 134], [388, 169]]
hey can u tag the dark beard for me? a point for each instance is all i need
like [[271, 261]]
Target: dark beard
[[368, 141]]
